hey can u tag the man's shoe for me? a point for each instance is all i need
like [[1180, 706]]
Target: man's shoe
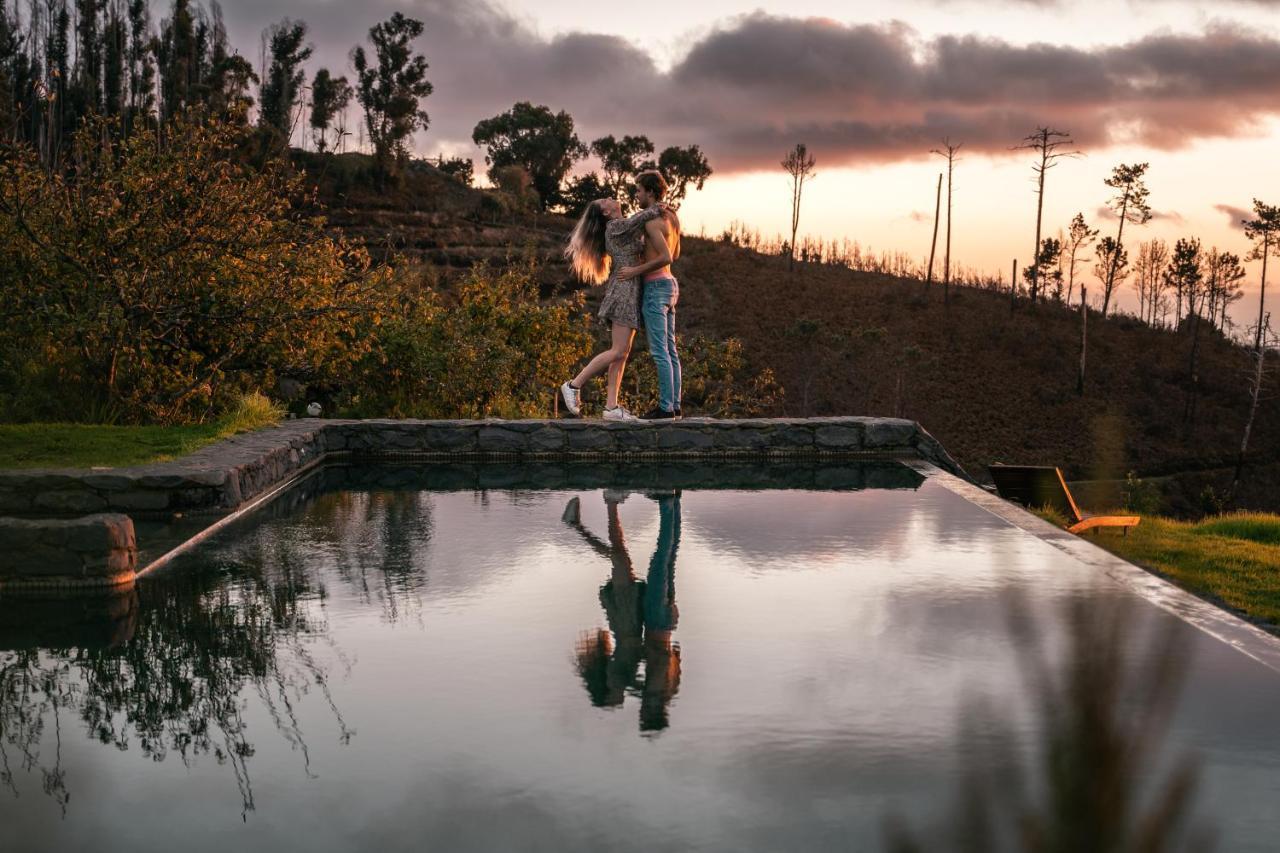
[[619, 414], [659, 414], [572, 399], [679, 413]]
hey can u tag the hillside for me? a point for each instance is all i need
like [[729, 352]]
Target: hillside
[[992, 384]]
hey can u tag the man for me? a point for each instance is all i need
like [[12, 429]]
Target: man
[[660, 294]]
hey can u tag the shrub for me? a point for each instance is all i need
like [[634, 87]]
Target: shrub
[[155, 280], [488, 349]]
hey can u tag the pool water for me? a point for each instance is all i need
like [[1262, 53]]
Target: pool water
[[414, 659]]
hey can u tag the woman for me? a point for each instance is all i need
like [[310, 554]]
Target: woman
[[602, 243]]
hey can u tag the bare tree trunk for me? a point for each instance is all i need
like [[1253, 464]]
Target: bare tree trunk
[[1262, 295], [1035, 255], [946, 262], [933, 243], [1260, 362], [1084, 336], [1115, 258], [1013, 286]]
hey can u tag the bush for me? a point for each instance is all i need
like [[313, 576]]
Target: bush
[[488, 349], [156, 280]]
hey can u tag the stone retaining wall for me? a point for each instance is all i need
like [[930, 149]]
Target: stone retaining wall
[[97, 550], [226, 474]]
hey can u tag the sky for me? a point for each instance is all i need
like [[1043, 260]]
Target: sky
[[1193, 88]]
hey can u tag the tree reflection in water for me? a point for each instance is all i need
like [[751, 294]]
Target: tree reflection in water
[[1099, 778], [165, 669], [642, 617]]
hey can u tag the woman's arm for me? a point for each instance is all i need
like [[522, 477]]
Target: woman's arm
[[635, 220], [654, 236]]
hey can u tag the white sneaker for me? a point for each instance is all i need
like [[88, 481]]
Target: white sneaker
[[619, 414], [572, 399]]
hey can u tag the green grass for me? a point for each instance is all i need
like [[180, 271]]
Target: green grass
[[1233, 559], [89, 446]]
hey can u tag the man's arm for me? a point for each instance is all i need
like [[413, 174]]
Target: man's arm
[[655, 233]]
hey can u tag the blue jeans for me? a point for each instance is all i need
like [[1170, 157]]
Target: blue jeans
[[659, 309]]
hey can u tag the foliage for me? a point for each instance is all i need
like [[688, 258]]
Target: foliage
[[534, 137], [285, 76], [155, 282], [683, 168], [488, 349], [1045, 272], [717, 381], [329, 98], [461, 169], [620, 160], [392, 87], [581, 191], [1139, 496]]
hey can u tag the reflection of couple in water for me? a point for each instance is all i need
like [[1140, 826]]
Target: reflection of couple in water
[[642, 615]]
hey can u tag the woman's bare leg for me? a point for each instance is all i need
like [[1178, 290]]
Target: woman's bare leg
[[618, 352]]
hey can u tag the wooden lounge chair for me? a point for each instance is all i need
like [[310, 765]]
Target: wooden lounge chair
[[1042, 486]]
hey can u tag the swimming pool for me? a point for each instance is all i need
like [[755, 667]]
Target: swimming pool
[[758, 656]]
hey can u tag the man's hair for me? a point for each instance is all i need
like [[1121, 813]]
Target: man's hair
[[653, 183]]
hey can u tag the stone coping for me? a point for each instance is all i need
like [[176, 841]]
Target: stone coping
[[94, 551], [227, 474]]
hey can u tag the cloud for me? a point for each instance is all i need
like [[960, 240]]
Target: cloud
[[1105, 213], [755, 85], [1235, 215]]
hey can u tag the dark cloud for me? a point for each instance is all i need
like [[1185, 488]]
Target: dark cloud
[[1106, 213], [1235, 215], [757, 84]]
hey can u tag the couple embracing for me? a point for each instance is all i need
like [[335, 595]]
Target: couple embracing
[[632, 256]]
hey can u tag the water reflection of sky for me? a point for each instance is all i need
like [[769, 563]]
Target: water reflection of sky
[[406, 679]]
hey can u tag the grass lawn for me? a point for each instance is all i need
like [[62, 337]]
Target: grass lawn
[[1233, 559], [89, 445]]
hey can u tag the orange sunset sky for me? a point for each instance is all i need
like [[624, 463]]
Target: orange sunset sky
[[1191, 87]]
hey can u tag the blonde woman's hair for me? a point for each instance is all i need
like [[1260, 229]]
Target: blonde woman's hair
[[586, 253]]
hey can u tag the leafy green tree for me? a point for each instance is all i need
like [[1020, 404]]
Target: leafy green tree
[[683, 168], [155, 282], [142, 69], [581, 191], [329, 99], [284, 76], [226, 78], [391, 88], [1045, 272], [620, 160], [542, 142]]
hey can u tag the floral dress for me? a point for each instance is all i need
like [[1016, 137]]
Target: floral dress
[[624, 241]]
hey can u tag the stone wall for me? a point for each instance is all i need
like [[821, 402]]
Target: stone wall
[[225, 475], [97, 550]]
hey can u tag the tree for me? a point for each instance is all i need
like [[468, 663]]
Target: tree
[[158, 281], [581, 191], [1112, 267], [284, 76], [329, 98], [142, 69], [1129, 205], [178, 55], [225, 82], [535, 138], [1047, 144], [948, 150], [1186, 275], [1256, 380], [1264, 231], [1149, 271], [683, 168], [391, 90], [461, 169], [620, 160], [799, 164], [1226, 275], [114, 58], [933, 243], [1045, 270]]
